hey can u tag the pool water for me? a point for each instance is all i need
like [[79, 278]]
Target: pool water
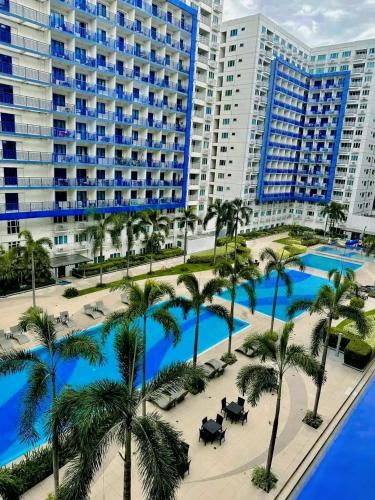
[[345, 252], [346, 468], [327, 263], [160, 353], [305, 286]]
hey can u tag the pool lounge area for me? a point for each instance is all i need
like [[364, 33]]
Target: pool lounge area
[[324, 263], [160, 353]]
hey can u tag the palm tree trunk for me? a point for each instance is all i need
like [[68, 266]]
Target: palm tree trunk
[[185, 242], [325, 227], [232, 323], [275, 426], [322, 370], [144, 366], [235, 240], [274, 302], [338, 344], [128, 466], [127, 263], [215, 245], [196, 337], [55, 442], [101, 265], [226, 247], [33, 277]]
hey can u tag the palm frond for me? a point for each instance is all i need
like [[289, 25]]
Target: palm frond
[[254, 380], [112, 321], [297, 357], [212, 287], [298, 305], [168, 323], [357, 316], [318, 334], [129, 352], [251, 295], [269, 254], [182, 302], [190, 281], [13, 361], [221, 312], [287, 281], [82, 345], [263, 346]]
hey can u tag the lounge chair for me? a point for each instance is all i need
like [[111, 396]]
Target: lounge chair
[[246, 352], [102, 308], [166, 401], [217, 364], [90, 311], [208, 370], [5, 341], [124, 298], [17, 334], [65, 319]]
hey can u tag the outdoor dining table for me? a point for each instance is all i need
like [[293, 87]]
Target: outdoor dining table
[[234, 410], [212, 427]]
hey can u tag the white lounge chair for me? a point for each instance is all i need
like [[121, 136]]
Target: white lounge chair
[[65, 319], [17, 334], [102, 308], [90, 311], [124, 298], [5, 341]]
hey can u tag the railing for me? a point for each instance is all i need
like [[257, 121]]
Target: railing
[[48, 182], [27, 156], [24, 72], [22, 42], [25, 13], [25, 101]]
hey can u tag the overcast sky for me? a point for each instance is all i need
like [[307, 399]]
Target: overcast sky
[[316, 22]]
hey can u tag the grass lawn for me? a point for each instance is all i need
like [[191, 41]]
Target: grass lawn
[[288, 241], [168, 271], [348, 326]]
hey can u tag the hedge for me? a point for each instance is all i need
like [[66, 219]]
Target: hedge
[[345, 339], [357, 353], [206, 257], [17, 479]]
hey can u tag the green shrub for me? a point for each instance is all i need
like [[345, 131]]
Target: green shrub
[[312, 421], [196, 384], [262, 480], [357, 353], [295, 249], [357, 302], [241, 240], [70, 292], [229, 358]]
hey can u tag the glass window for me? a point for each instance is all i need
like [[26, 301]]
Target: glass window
[[321, 57], [334, 55], [346, 53], [233, 32]]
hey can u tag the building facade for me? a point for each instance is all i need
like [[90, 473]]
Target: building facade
[[294, 125]]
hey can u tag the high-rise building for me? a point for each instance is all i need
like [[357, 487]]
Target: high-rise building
[[96, 104], [294, 126]]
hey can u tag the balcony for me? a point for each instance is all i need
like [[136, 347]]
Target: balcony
[[25, 13], [23, 43], [51, 182]]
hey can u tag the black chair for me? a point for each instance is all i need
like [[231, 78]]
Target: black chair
[[219, 419], [204, 420], [221, 436], [203, 435], [243, 417], [241, 401], [223, 405]]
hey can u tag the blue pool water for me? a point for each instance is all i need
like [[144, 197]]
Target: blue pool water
[[328, 263], [305, 286], [345, 252], [347, 467], [160, 353]]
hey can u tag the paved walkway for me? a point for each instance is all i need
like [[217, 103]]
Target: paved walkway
[[220, 472]]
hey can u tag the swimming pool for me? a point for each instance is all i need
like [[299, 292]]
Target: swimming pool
[[305, 286], [160, 353], [327, 263], [345, 470], [346, 252]]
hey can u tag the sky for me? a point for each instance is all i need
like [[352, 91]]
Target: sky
[[315, 22]]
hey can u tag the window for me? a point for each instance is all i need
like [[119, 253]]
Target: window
[[230, 78], [344, 67], [346, 53], [226, 121], [227, 107], [321, 57], [231, 63], [224, 135], [228, 92], [219, 188], [233, 32], [232, 48], [61, 240], [220, 176], [13, 226], [334, 55]]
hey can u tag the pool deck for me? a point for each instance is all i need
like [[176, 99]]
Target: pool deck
[[219, 472]]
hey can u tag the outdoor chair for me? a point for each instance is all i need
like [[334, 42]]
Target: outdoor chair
[[65, 319], [124, 298], [204, 420], [219, 419], [221, 436], [204, 436], [90, 311], [241, 401], [223, 405], [5, 341], [243, 417], [102, 308], [17, 334]]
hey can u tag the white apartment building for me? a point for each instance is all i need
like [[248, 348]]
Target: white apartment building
[[294, 126]]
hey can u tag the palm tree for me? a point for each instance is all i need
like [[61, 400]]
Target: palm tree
[[106, 412], [8, 266], [241, 216], [142, 302], [329, 302], [187, 220], [217, 211], [369, 243], [159, 225], [256, 379], [229, 225], [34, 251], [279, 264], [199, 298], [334, 212], [103, 225], [41, 372], [239, 274], [134, 226]]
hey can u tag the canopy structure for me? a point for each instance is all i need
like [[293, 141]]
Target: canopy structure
[[68, 260]]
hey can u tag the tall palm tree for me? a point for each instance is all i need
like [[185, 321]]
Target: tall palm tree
[[241, 216], [159, 225], [229, 224], [279, 264], [334, 212], [106, 412], [103, 225], [369, 244], [242, 274], [217, 211], [142, 302], [42, 385], [256, 379], [188, 220], [35, 251], [134, 226], [329, 302], [198, 299]]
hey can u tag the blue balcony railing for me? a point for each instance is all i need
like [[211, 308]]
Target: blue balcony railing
[[18, 10], [53, 182], [24, 73]]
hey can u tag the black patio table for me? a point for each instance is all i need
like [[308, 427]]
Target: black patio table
[[212, 427], [234, 410]]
